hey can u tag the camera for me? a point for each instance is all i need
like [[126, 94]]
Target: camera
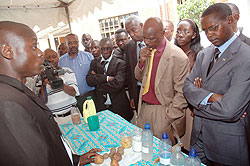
[[51, 73]]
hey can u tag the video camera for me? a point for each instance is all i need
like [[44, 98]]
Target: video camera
[[51, 73]]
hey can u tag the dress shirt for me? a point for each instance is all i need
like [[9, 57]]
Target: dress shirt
[[80, 66], [222, 49], [108, 101], [139, 46], [150, 96]]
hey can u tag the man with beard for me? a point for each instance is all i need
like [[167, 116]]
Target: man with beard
[[79, 62], [29, 134], [86, 42], [121, 38]]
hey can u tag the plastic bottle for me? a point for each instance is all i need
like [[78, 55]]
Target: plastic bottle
[[136, 140], [147, 143], [192, 159], [88, 108], [165, 150], [177, 158]]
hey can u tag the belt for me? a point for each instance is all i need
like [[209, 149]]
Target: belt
[[62, 115]]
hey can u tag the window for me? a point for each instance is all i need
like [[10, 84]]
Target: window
[[108, 26]]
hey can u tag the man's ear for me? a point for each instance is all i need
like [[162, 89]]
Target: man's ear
[[230, 19], [6, 51]]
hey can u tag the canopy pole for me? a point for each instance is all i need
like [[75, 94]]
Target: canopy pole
[[67, 14]]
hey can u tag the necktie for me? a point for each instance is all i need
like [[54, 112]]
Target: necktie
[[215, 57], [149, 72], [103, 63]]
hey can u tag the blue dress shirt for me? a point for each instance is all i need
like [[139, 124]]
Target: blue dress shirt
[[80, 66]]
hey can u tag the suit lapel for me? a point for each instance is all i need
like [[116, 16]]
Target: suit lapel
[[110, 67], [163, 64], [206, 62], [226, 57]]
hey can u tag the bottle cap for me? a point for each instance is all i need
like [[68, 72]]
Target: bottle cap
[[147, 126], [164, 135], [89, 97], [192, 152]]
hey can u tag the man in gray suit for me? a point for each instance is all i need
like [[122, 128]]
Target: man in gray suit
[[220, 97]]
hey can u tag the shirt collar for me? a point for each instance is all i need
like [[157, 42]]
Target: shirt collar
[[109, 59], [162, 45], [224, 46]]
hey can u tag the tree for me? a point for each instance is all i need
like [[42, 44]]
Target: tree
[[193, 9]]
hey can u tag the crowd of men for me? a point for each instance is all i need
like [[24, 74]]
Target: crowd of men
[[154, 71]]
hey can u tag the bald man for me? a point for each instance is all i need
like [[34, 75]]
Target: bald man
[[29, 134], [169, 29], [236, 17], [86, 42], [162, 105], [60, 100]]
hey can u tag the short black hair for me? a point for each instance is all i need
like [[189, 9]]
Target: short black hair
[[105, 40], [120, 31], [221, 10]]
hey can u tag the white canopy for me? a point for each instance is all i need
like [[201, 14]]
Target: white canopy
[[44, 13]]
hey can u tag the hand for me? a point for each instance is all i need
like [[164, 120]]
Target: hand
[[215, 97], [198, 82], [110, 79], [144, 54], [132, 103], [88, 157], [92, 72]]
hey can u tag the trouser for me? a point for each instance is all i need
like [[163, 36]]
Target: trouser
[[155, 116]]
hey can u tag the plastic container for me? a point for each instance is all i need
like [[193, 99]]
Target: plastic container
[[75, 115], [126, 140], [136, 140], [88, 108], [165, 150], [192, 159], [147, 143], [177, 158]]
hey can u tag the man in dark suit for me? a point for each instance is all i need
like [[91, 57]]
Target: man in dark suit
[[218, 89], [236, 17], [121, 38], [29, 134], [107, 74], [134, 28]]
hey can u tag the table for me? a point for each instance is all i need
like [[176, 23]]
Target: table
[[81, 139]]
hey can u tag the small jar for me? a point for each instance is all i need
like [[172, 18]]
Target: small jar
[[126, 140], [136, 140], [75, 115]]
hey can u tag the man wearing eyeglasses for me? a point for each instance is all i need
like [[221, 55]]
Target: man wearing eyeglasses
[[107, 74], [218, 89], [79, 62]]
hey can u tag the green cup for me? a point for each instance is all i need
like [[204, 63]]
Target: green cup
[[93, 122]]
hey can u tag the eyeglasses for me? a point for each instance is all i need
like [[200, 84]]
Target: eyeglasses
[[106, 49], [213, 28], [184, 32]]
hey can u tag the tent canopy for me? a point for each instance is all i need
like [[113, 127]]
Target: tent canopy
[[44, 13]]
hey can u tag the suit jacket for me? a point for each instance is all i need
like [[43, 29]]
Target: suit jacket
[[115, 88], [131, 60], [29, 134], [244, 38], [223, 130], [172, 70]]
